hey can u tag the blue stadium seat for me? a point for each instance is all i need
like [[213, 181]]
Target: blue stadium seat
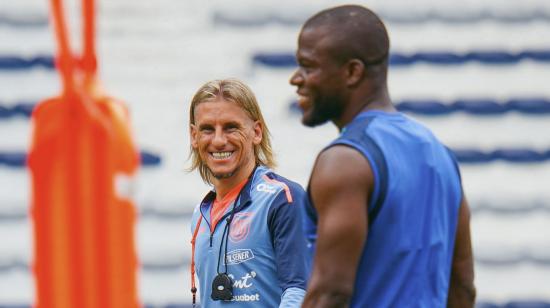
[[18, 159], [285, 60], [20, 63], [527, 304]]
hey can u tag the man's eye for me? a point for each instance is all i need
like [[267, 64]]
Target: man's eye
[[232, 127], [305, 68], [206, 129]]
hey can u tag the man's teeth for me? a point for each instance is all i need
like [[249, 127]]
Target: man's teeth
[[221, 155], [302, 100]]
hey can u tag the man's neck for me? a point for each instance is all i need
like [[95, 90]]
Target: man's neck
[[379, 100], [224, 186]]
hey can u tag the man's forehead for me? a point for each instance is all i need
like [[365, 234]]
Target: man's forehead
[[317, 36], [316, 43], [220, 109]]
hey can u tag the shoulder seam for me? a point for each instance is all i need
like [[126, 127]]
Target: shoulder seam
[[285, 187]]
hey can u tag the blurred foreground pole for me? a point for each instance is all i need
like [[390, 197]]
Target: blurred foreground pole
[[84, 252]]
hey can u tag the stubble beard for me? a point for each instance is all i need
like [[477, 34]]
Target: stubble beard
[[221, 176], [321, 113], [312, 122]]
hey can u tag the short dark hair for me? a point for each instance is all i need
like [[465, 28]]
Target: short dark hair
[[356, 31]]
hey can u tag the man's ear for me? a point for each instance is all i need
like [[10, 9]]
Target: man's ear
[[355, 71], [193, 132], [258, 133]]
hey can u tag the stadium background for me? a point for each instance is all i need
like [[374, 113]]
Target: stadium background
[[476, 72]]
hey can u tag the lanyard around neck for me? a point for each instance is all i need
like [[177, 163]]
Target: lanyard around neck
[[194, 238]]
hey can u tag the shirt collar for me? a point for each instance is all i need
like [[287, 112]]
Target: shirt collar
[[243, 199]]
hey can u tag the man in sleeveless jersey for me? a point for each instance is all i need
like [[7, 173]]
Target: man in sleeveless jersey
[[249, 249], [392, 219]]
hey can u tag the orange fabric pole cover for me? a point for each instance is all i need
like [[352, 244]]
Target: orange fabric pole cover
[[84, 249]]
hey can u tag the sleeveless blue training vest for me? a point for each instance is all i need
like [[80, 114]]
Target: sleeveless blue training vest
[[413, 212]]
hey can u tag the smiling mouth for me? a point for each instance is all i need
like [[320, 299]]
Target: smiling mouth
[[221, 155], [303, 101]]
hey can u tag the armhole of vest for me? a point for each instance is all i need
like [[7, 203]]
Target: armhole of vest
[[376, 160], [457, 168], [455, 163]]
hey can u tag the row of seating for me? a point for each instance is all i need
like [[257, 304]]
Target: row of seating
[[7, 20], [12, 62], [473, 156], [19, 159], [437, 14], [478, 107], [288, 60], [18, 109], [535, 106], [449, 17], [464, 156]]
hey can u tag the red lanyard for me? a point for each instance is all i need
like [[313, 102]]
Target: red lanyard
[[193, 287]]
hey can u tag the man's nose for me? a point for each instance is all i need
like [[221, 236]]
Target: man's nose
[[219, 138], [296, 78]]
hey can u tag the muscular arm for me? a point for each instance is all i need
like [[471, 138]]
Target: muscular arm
[[462, 292], [340, 185]]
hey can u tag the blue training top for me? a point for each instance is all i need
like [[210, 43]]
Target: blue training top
[[267, 254], [413, 212]]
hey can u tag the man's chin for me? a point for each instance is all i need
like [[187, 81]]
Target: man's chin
[[312, 121], [225, 174], [221, 176]]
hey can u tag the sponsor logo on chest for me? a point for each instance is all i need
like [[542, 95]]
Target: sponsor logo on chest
[[245, 282], [246, 298], [262, 187], [238, 256]]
